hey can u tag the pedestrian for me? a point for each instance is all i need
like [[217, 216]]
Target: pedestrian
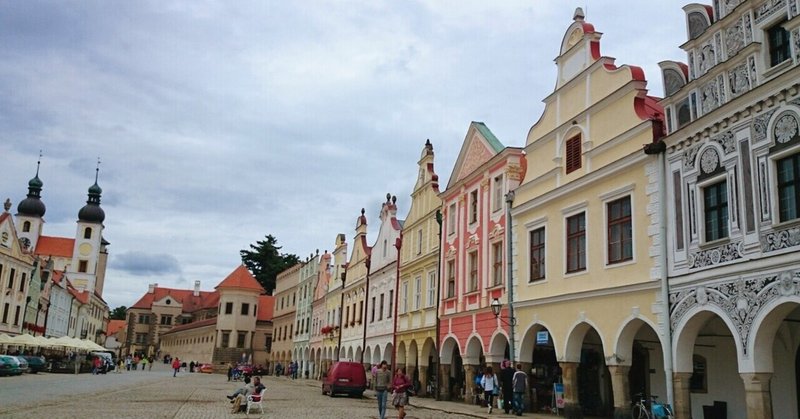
[[144, 363], [520, 384], [230, 371], [400, 386], [128, 362], [176, 365], [191, 366], [120, 365], [150, 364], [506, 384], [383, 380], [490, 387], [479, 386]]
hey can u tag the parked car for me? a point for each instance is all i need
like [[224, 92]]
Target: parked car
[[345, 377], [9, 365], [23, 363], [205, 368], [35, 363]]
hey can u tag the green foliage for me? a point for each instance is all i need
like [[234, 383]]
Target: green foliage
[[118, 313], [265, 261]]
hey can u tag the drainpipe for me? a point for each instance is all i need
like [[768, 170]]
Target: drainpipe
[[509, 265], [438, 300], [658, 147], [398, 244]]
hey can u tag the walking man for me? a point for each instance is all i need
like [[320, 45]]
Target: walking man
[[383, 379], [520, 385]]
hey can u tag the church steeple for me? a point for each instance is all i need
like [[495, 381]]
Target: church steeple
[[91, 212], [32, 205]]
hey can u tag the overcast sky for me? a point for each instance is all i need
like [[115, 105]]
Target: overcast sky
[[220, 122]]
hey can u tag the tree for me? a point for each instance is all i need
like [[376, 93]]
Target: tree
[[265, 261], [118, 313]]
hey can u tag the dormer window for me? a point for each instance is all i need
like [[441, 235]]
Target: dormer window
[[573, 154], [778, 39]]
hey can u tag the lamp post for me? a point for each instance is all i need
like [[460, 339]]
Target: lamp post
[[439, 220], [341, 310], [509, 265]]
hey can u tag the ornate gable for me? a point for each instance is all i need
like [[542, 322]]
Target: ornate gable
[[479, 146]]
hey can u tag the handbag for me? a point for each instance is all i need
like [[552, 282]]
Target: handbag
[[409, 392], [496, 389]]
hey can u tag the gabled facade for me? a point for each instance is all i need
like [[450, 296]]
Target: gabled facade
[[358, 269], [731, 177], [473, 249], [382, 283], [318, 310], [587, 300], [333, 303], [419, 258], [16, 269], [302, 321]]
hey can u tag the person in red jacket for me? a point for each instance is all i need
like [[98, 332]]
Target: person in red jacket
[[176, 366]]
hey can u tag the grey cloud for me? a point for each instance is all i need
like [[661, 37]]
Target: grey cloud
[[144, 264]]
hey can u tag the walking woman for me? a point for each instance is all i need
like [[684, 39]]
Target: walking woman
[[400, 383], [490, 387]]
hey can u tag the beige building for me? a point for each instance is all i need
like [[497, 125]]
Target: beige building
[[285, 295], [16, 264], [586, 257]]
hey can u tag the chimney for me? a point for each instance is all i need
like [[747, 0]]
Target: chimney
[[196, 292], [152, 288]]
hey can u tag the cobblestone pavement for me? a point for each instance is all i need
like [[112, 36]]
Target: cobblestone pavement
[[156, 394]]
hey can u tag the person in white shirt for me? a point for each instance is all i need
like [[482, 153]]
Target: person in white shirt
[[490, 387]]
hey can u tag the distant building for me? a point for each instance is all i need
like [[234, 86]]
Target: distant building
[[285, 296]]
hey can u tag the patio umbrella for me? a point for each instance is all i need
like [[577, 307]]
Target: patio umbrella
[[42, 341], [5, 339], [65, 342], [24, 339]]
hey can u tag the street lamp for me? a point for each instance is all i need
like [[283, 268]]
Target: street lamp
[[497, 306]]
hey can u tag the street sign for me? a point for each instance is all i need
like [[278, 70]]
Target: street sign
[[542, 337]]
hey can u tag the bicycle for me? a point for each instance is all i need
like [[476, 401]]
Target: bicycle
[[656, 411]]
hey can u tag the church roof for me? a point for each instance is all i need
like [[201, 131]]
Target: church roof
[[55, 246], [241, 278]]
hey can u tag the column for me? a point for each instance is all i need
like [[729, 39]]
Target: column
[[621, 388], [469, 383], [572, 407], [423, 380], [757, 394], [683, 405], [444, 382]]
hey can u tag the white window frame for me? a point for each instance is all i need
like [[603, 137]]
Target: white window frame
[[431, 288], [581, 207], [404, 301], [607, 198], [417, 292], [497, 193], [452, 215]]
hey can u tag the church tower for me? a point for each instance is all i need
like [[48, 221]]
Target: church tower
[[30, 212], [88, 240]]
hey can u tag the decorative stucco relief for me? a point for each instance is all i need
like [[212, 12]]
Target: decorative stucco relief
[[796, 39], [760, 126], [705, 58], [785, 128], [734, 38], [709, 161], [714, 256], [742, 300], [780, 239], [739, 80], [709, 96], [768, 8], [748, 29], [689, 156]]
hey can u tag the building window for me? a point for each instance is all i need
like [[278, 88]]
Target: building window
[[576, 243], [144, 319], [11, 275], [431, 289], [347, 315], [226, 339], [245, 309], [87, 233], [83, 266], [166, 320], [497, 193], [715, 200], [240, 339], [384, 248], [16, 317], [372, 312], [255, 310], [451, 219], [26, 226], [778, 38], [497, 263], [404, 297], [789, 187], [473, 270], [419, 241], [698, 382], [391, 303], [473, 206], [417, 293], [141, 338], [573, 154], [620, 230], [23, 281], [5, 313], [537, 254], [380, 313], [451, 278]]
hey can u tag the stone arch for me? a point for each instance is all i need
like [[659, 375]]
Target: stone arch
[[788, 109], [448, 345], [376, 355], [623, 342], [358, 354], [528, 341], [428, 350], [368, 355], [387, 354], [413, 358], [497, 346], [474, 350], [574, 342], [350, 353], [686, 331], [401, 354], [764, 329]]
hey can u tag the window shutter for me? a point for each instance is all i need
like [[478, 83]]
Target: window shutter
[[573, 154]]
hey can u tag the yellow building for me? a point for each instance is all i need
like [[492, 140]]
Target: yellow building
[[355, 286], [333, 304], [590, 319], [419, 257], [283, 321]]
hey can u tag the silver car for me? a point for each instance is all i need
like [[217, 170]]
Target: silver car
[[23, 364]]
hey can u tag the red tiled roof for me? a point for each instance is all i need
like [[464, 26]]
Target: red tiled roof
[[3, 216], [55, 246], [192, 325], [206, 299], [241, 278], [57, 276], [114, 326], [83, 297], [266, 304]]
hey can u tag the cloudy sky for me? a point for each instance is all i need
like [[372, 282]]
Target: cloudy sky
[[220, 122]]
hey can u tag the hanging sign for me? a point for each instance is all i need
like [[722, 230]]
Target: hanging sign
[[542, 337]]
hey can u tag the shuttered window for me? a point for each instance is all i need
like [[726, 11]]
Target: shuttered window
[[573, 155]]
